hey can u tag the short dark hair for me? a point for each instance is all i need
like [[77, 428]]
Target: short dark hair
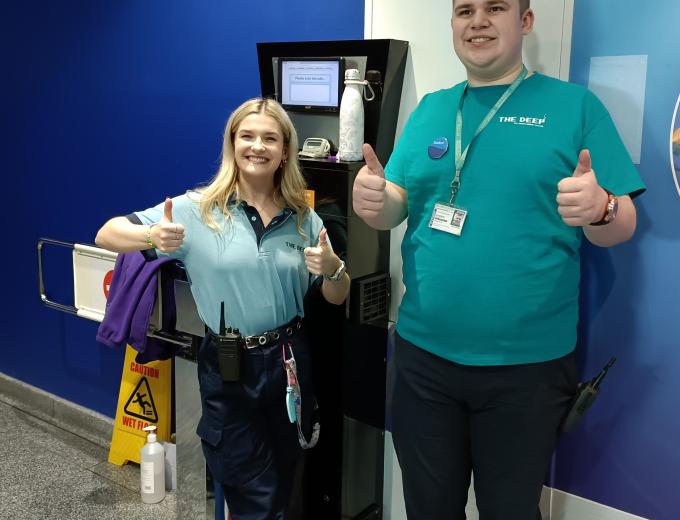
[[523, 5]]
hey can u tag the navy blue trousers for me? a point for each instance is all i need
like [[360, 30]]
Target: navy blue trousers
[[250, 446], [499, 422]]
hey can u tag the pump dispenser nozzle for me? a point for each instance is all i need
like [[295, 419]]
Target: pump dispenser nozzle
[[151, 437]]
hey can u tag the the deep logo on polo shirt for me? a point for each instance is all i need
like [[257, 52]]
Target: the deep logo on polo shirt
[[295, 246], [524, 120]]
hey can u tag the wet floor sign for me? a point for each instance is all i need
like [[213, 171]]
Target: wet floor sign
[[144, 399]]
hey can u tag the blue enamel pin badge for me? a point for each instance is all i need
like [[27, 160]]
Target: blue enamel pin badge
[[438, 148]]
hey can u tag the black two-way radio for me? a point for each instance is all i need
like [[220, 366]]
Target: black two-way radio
[[228, 343], [585, 397]]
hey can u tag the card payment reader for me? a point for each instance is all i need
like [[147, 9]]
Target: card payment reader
[[315, 147]]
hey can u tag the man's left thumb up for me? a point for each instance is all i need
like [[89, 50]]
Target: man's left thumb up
[[584, 163]]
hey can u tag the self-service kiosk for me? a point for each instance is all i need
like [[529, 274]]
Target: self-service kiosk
[[343, 474]]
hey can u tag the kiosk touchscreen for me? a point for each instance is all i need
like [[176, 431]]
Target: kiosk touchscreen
[[311, 84]]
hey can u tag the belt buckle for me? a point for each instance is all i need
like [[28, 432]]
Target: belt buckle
[[251, 342]]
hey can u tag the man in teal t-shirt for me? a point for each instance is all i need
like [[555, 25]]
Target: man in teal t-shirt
[[499, 178]]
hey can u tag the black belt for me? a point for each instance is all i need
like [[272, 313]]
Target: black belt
[[270, 337]]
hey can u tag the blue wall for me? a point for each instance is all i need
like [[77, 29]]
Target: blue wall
[[625, 454], [108, 107]]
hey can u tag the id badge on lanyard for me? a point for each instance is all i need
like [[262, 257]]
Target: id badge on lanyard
[[446, 216]]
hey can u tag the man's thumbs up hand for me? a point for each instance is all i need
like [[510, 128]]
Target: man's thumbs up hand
[[372, 162], [580, 199], [368, 193], [584, 165], [167, 235], [321, 260]]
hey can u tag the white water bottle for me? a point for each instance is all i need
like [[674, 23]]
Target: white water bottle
[[351, 118], [152, 469]]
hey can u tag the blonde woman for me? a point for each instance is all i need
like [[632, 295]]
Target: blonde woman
[[250, 240]]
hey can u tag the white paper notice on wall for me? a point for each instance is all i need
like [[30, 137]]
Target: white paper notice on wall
[[619, 82]]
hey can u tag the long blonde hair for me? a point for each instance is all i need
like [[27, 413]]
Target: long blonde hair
[[289, 184]]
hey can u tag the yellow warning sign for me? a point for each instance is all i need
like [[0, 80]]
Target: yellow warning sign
[[140, 404], [143, 399]]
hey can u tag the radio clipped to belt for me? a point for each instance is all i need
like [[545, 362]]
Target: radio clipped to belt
[[228, 343]]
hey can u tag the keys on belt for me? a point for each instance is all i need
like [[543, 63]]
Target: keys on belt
[[272, 336]]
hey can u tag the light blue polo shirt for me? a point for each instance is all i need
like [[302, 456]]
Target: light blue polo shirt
[[262, 284], [506, 291]]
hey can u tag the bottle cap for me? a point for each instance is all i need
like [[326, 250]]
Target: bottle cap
[[373, 75]]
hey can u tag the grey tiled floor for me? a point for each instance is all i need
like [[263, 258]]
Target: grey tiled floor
[[47, 472]]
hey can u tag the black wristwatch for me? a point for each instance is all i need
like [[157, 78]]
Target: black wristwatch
[[610, 210]]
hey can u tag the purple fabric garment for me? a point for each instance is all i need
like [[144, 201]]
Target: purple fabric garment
[[132, 296]]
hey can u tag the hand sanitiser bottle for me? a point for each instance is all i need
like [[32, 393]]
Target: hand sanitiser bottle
[[152, 469]]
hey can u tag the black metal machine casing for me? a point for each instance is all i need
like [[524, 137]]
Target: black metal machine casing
[[343, 474]]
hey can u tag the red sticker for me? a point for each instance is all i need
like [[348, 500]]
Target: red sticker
[[107, 283]]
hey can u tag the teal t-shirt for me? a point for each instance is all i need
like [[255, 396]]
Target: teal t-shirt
[[506, 290], [262, 284]]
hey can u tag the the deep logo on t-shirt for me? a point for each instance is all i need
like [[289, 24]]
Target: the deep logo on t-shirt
[[524, 120]]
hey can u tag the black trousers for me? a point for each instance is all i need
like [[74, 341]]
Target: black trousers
[[500, 422], [250, 445]]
